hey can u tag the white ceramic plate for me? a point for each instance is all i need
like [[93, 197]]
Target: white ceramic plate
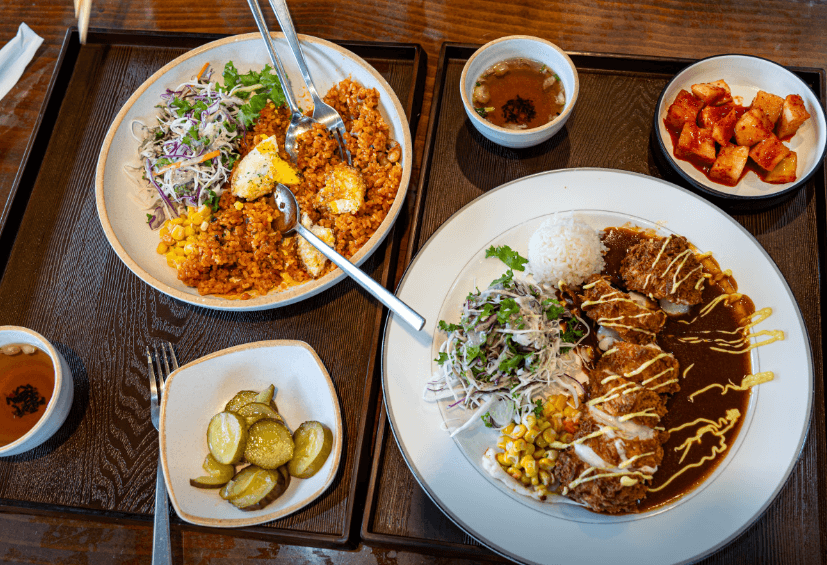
[[449, 471], [746, 75], [199, 390], [124, 223]]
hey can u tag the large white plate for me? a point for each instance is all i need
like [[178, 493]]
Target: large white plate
[[124, 223], [200, 389], [728, 502]]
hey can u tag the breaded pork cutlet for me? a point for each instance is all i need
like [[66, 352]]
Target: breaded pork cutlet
[[664, 268], [615, 309], [647, 365]]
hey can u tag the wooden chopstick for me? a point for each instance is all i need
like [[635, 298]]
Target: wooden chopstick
[[83, 9]]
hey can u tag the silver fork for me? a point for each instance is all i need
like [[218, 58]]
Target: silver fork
[[299, 123], [322, 113], [161, 549]]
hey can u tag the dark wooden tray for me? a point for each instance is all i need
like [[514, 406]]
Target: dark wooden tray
[[610, 127], [61, 278]]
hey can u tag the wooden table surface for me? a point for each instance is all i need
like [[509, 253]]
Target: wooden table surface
[[788, 32]]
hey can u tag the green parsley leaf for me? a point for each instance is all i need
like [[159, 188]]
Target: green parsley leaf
[[149, 217], [212, 200], [508, 307], [512, 363], [538, 408], [472, 353], [443, 357], [508, 256], [481, 112], [181, 106], [447, 327], [486, 419], [553, 309], [505, 280]]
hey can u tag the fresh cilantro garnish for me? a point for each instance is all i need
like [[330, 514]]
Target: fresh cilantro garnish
[[508, 256], [472, 353], [571, 335], [181, 106], [538, 408], [149, 217], [553, 309], [447, 327], [508, 307], [505, 280], [486, 419], [512, 363], [212, 200], [257, 99], [443, 357], [159, 134], [481, 112], [192, 137], [486, 310], [162, 162]]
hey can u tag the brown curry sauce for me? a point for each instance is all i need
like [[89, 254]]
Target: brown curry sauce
[[709, 367]]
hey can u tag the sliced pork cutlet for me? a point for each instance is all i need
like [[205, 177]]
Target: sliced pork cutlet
[[615, 309], [664, 268], [647, 365], [610, 471]]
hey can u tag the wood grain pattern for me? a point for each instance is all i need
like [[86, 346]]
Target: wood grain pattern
[[63, 279], [610, 127]]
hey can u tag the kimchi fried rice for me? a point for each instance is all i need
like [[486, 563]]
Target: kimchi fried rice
[[236, 252]]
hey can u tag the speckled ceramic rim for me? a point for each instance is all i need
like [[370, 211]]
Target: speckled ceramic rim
[[572, 100], [293, 294], [51, 407], [336, 453], [709, 188]]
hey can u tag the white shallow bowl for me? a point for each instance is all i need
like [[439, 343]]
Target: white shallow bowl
[[64, 391], [527, 47], [746, 75], [124, 223], [199, 390]]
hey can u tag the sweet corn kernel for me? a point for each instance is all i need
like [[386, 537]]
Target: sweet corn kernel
[[530, 420], [529, 449], [532, 434], [518, 432], [205, 225], [502, 459], [514, 472], [546, 463], [560, 402], [551, 454], [177, 221], [566, 438], [164, 230], [541, 442], [509, 428], [545, 477], [238, 205], [549, 436], [543, 425], [525, 480], [529, 465], [520, 445], [178, 233], [570, 411], [189, 231], [535, 481], [162, 248], [204, 210], [502, 442]]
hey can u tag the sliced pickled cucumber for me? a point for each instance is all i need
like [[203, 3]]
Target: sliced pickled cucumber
[[265, 486], [239, 483], [269, 444], [208, 482], [256, 411], [218, 474], [266, 395], [313, 443], [227, 437], [241, 398]]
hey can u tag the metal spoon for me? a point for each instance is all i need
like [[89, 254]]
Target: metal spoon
[[299, 123], [288, 222]]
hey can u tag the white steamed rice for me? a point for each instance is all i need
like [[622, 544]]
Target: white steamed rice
[[565, 249]]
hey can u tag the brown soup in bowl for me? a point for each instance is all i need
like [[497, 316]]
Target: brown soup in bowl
[[27, 382], [519, 94]]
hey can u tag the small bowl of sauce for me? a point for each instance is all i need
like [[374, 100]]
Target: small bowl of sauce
[[519, 91], [36, 390]]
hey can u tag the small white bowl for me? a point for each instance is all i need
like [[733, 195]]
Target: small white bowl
[[746, 75], [512, 47], [62, 396], [199, 390]]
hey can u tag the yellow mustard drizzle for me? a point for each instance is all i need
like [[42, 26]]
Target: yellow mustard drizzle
[[609, 379], [600, 432], [759, 315], [646, 365], [715, 301], [775, 335], [610, 351], [650, 379], [686, 371], [577, 482], [664, 383], [686, 254], [749, 381], [719, 428], [629, 461], [643, 414]]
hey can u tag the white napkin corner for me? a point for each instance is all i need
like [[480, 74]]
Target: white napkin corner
[[15, 55]]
